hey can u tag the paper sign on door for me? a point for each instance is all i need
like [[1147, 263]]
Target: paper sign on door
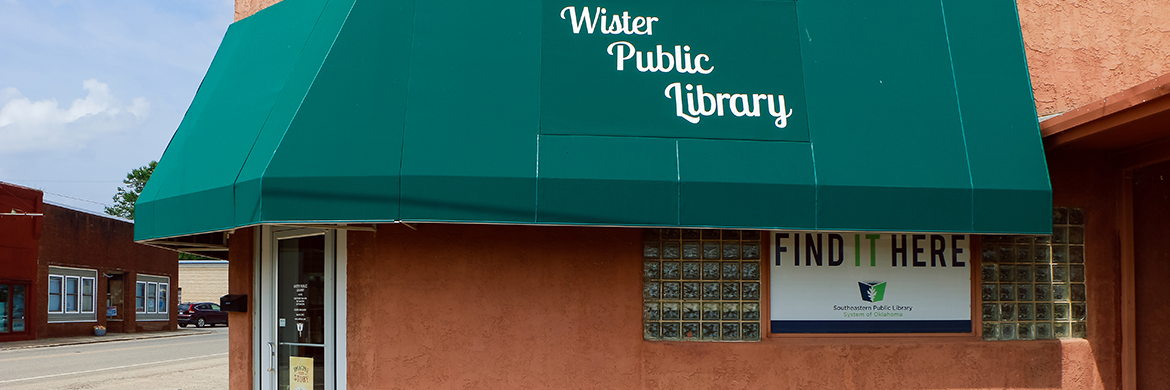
[[300, 372]]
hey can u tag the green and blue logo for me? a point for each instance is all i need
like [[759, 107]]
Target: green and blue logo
[[872, 291]]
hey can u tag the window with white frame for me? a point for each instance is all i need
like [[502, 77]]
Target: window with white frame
[[56, 283], [72, 294], [140, 297], [151, 294]]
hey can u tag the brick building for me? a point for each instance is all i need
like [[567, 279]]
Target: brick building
[[66, 271]]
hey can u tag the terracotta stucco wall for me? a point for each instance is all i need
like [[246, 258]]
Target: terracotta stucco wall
[[454, 306], [1084, 50], [241, 265]]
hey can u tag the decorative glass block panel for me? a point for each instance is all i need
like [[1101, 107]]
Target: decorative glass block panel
[[751, 251], [730, 290], [750, 235], [1076, 216], [1043, 330], [1043, 312], [650, 311], [1007, 273], [690, 330], [1077, 292], [990, 312], [710, 270], [1059, 254], [711, 250], [650, 290], [1079, 312], [651, 270], [990, 331], [1024, 254], [690, 250], [650, 330], [690, 290], [711, 311], [1024, 292], [670, 311], [1079, 330], [731, 331], [1076, 235], [670, 330], [1060, 311], [751, 270], [1062, 330], [1043, 274], [1060, 234], [989, 292], [670, 270], [695, 293], [671, 250], [671, 290], [1040, 254], [1007, 331], [751, 330], [1024, 312], [730, 250], [1007, 311], [730, 311], [1076, 254], [1059, 273], [990, 254], [751, 290], [1059, 292], [990, 274], [1007, 253], [711, 291], [1024, 273], [1077, 273], [691, 270], [1007, 292], [730, 271], [650, 250], [1024, 331], [751, 311], [1043, 293], [710, 330]]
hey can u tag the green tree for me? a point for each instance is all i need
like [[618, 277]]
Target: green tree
[[126, 196]]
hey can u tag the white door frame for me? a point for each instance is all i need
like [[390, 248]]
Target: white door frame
[[264, 291]]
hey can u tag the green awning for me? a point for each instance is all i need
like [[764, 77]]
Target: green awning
[[907, 116]]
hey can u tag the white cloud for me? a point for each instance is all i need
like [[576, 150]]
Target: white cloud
[[27, 125]]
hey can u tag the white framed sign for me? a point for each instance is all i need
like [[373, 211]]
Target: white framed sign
[[866, 282]]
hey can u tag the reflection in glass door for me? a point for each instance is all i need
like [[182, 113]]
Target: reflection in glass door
[[302, 349]]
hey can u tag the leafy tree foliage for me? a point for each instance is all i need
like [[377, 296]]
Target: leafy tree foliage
[[126, 196]]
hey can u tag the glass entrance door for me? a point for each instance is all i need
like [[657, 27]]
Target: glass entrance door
[[300, 311]]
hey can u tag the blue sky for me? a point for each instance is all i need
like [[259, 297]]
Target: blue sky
[[90, 90]]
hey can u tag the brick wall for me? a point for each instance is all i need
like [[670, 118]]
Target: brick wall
[[203, 282]]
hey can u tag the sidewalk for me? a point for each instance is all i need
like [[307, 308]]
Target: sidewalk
[[109, 337]]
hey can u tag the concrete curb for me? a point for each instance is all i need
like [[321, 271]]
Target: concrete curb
[[108, 338]]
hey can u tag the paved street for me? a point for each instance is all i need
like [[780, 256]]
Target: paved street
[[188, 362]]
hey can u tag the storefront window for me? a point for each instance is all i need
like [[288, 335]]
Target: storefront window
[[4, 316], [140, 297], [87, 287], [18, 312], [701, 285], [151, 290], [1033, 287], [162, 297], [55, 283], [71, 287]]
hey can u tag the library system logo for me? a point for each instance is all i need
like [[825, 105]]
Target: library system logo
[[872, 291]]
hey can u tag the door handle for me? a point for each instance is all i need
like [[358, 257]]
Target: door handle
[[272, 350]]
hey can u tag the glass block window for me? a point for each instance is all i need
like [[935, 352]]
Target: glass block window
[[1033, 287], [701, 285]]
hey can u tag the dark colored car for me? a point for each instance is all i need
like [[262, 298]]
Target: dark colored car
[[201, 314]]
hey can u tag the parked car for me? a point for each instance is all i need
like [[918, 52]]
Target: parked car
[[201, 314]]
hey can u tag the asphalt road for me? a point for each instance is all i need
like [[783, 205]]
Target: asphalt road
[[188, 362]]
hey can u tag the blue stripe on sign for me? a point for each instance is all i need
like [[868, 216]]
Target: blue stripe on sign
[[938, 326]]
